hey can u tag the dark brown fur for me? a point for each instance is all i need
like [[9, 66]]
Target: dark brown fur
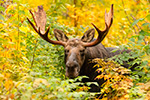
[[87, 69], [98, 51]]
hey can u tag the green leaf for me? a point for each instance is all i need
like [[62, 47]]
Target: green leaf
[[144, 24], [132, 39], [1, 17], [2, 8], [21, 12], [114, 50], [89, 83], [148, 17], [136, 21], [142, 32]]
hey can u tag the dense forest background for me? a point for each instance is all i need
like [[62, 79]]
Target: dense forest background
[[32, 69]]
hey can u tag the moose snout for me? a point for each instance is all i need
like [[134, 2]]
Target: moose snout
[[71, 64], [72, 69]]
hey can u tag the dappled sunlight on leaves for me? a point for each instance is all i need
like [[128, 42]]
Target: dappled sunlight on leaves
[[117, 83], [30, 68]]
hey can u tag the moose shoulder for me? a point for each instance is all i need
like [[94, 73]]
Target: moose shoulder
[[78, 52]]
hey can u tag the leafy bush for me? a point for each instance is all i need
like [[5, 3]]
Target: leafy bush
[[30, 68], [117, 83], [120, 86]]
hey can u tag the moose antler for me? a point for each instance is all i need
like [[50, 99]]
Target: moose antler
[[102, 34], [40, 21]]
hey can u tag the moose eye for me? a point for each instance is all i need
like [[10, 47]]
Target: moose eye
[[82, 52], [66, 51]]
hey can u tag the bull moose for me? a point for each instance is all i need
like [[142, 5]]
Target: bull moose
[[78, 52]]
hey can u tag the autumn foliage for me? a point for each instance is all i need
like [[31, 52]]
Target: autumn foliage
[[32, 69]]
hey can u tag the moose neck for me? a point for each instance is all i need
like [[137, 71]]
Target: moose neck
[[98, 51]]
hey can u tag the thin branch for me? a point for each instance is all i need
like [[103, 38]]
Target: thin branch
[[18, 30], [18, 42], [127, 16], [34, 53], [75, 19], [138, 28], [136, 24]]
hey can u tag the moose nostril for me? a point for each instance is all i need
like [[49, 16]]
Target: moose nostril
[[70, 66], [74, 60], [72, 63]]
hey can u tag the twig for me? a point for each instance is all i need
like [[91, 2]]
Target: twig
[[138, 27], [136, 24], [75, 20], [34, 53], [18, 42], [128, 17], [18, 29]]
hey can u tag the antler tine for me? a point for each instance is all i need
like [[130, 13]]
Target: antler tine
[[33, 16], [40, 21], [102, 33], [32, 25]]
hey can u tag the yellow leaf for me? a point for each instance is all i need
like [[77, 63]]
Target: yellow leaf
[[8, 84], [96, 65], [104, 99], [17, 84], [99, 76]]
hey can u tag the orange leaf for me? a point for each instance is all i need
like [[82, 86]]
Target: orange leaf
[[12, 96], [8, 84]]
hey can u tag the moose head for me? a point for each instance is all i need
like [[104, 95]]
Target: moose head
[[75, 49]]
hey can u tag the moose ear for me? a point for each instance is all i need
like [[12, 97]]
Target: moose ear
[[88, 35], [60, 36]]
